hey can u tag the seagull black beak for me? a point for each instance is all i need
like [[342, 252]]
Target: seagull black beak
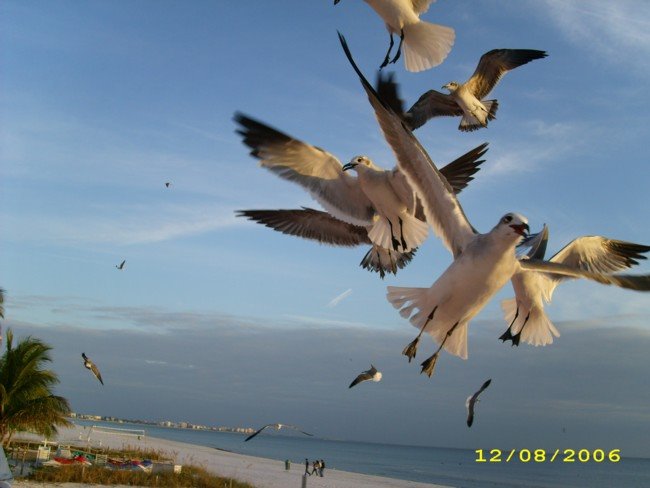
[[521, 229], [349, 166]]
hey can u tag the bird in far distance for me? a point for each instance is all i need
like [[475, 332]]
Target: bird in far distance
[[482, 264], [466, 99], [425, 44], [533, 288], [168, 184], [88, 364], [471, 401], [327, 229], [121, 265], [276, 427], [371, 375]]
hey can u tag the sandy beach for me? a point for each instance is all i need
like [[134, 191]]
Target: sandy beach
[[260, 472]]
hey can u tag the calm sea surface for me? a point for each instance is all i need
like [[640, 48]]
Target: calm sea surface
[[453, 467]]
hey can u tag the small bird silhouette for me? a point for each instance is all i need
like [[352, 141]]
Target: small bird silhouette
[[88, 364], [371, 374], [471, 402], [168, 184], [121, 265], [276, 427]]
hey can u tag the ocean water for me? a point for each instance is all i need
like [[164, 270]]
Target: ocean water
[[451, 467]]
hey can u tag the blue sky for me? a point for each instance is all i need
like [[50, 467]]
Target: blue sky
[[103, 102]]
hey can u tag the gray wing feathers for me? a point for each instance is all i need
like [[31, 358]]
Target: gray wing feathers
[[600, 254], [460, 172], [557, 270], [431, 104], [310, 224]]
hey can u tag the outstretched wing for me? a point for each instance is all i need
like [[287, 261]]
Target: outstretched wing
[[431, 104], [256, 432], [556, 270], [96, 372], [298, 429], [600, 254], [496, 63], [461, 170], [365, 376], [310, 224], [441, 207], [316, 170]]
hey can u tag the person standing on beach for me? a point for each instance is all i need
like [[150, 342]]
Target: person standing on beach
[[322, 467], [315, 465], [307, 467]]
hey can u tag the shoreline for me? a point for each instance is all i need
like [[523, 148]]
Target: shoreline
[[260, 472]]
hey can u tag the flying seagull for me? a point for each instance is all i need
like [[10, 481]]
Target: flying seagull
[[525, 313], [466, 99], [371, 374], [121, 265], [471, 402], [483, 263], [92, 367], [276, 427], [327, 229], [168, 184], [425, 45]]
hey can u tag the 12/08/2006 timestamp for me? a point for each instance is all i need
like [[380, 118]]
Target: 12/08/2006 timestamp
[[543, 456]]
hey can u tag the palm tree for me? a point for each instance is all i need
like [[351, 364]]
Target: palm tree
[[26, 399]]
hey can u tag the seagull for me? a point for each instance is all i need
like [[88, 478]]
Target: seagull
[[525, 312], [471, 402], [425, 44], [88, 364], [168, 184], [276, 427], [327, 229], [466, 99], [483, 262], [371, 374], [121, 265]]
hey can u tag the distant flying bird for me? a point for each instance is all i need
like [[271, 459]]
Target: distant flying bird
[[371, 375], [377, 207], [88, 364], [425, 45], [168, 184], [471, 401], [483, 263], [466, 99], [525, 313], [121, 265], [276, 427]]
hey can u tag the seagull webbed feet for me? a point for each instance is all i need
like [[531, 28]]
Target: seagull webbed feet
[[507, 335], [429, 364], [410, 350]]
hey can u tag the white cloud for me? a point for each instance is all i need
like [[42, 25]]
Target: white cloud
[[617, 31]]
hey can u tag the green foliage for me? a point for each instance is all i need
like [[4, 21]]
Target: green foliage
[[26, 399], [190, 476]]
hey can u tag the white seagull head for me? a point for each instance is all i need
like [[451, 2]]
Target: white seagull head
[[452, 86], [513, 226], [359, 162]]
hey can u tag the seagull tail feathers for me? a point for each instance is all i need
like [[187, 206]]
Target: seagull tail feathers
[[381, 260], [426, 45], [469, 123], [414, 232], [538, 330], [423, 302]]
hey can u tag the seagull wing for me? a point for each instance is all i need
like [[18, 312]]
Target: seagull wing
[[365, 376], [431, 104], [460, 171], [537, 244], [316, 170], [298, 429], [421, 6], [441, 207], [496, 63], [600, 254], [96, 372], [256, 432], [557, 270], [310, 224]]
